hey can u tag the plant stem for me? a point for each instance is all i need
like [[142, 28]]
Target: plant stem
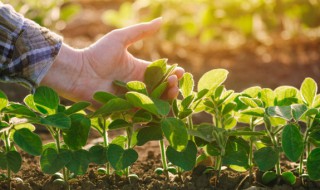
[[164, 158], [306, 146], [57, 139], [129, 136], [275, 144], [106, 144], [250, 160], [218, 165], [190, 125], [7, 147]]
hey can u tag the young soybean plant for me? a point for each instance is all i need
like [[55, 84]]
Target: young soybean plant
[[63, 123], [152, 116], [15, 129], [113, 115], [220, 139], [265, 107]]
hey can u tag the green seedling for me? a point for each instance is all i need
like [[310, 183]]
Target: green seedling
[[63, 123], [145, 117], [15, 131]]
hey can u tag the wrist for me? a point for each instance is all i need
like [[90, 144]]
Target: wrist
[[64, 71]]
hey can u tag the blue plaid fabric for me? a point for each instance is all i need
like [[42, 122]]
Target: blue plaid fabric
[[27, 50]]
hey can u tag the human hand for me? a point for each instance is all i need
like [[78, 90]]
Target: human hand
[[78, 74]]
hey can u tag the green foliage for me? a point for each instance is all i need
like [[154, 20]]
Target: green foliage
[[313, 164], [184, 159], [120, 158], [51, 161], [145, 117], [292, 142], [261, 161], [175, 132], [28, 141]]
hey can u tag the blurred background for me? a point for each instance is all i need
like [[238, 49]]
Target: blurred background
[[261, 42]]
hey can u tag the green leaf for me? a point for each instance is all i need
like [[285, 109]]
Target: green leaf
[[175, 132], [159, 90], [236, 153], [98, 154], [252, 92], [257, 112], [218, 92], [142, 101], [137, 86], [280, 111], [228, 108], [103, 97], [51, 161], [28, 100], [292, 142], [79, 162], [289, 177], [152, 133], [313, 164], [261, 161], [298, 110], [163, 107], [19, 111], [142, 116], [77, 107], [112, 106], [186, 102], [10, 160], [119, 124], [286, 95], [268, 177], [80, 127], [46, 100], [308, 91], [120, 140], [212, 149], [100, 124], [186, 84], [185, 159], [28, 141], [25, 125], [249, 102], [203, 131], [267, 96], [59, 120], [311, 111], [314, 138], [155, 73], [316, 103], [120, 158], [212, 79], [3, 100]]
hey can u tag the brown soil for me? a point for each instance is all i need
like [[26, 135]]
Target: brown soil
[[31, 178]]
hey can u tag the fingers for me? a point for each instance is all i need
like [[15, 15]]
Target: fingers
[[179, 71], [137, 32]]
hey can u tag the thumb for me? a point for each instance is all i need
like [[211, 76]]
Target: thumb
[[131, 34]]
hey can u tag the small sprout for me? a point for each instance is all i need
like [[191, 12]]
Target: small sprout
[[172, 170], [268, 177], [57, 175], [158, 171], [102, 171]]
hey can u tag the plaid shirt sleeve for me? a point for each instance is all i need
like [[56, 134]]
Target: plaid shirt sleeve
[[27, 50]]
